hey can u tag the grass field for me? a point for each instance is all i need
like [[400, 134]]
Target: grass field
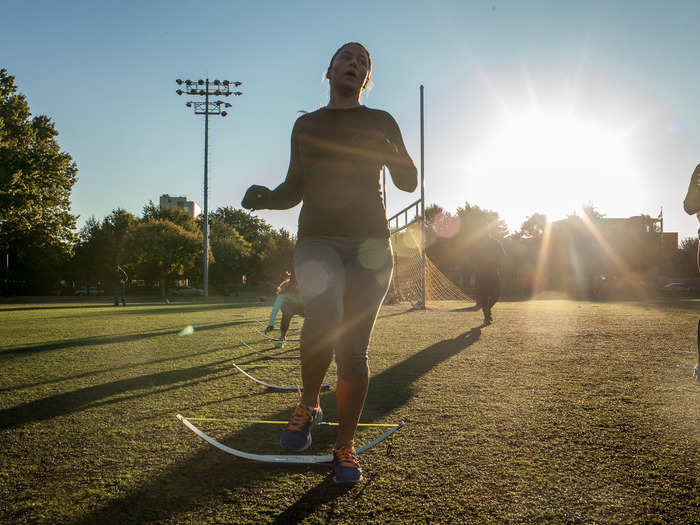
[[559, 412]]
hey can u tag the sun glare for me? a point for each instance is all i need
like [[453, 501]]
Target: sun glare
[[555, 160]]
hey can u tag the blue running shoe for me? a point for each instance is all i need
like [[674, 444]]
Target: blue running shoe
[[297, 435], [346, 465]]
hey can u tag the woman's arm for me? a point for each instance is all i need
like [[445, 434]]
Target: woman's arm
[[403, 172], [691, 204], [286, 195]]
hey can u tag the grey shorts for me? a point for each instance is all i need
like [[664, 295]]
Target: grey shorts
[[343, 282]]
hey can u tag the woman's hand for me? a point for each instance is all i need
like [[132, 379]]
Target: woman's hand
[[255, 197]]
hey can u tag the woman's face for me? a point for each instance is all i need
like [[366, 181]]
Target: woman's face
[[350, 68]]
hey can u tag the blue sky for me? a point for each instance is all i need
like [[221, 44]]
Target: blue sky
[[530, 106]]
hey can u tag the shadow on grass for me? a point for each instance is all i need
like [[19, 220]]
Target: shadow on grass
[[106, 339], [325, 492], [148, 306], [113, 369], [403, 312], [467, 309], [77, 400], [200, 479]]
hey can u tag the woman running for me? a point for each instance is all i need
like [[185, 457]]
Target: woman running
[[289, 301], [343, 257]]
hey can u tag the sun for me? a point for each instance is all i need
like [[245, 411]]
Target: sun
[[554, 160]]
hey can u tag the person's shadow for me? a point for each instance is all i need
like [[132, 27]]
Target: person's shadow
[[393, 387], [325, 492]]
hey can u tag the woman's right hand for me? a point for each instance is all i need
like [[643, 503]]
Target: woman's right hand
[[255, 197]]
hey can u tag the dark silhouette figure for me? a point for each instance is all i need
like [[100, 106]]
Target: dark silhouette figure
[[119, 279], [488, 275]]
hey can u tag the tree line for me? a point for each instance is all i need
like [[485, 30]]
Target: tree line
[[165, 245], [584, 254], [40, 246]]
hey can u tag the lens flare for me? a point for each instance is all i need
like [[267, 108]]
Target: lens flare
[[373, 254], [189, 329]]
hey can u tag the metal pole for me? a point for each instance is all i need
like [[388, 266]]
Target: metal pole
[[206, 192], [422, 195], [193, 88]]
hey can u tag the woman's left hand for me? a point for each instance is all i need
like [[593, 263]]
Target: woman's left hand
[[255, 197]]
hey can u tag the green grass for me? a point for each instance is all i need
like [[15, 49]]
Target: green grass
[[559, 412]]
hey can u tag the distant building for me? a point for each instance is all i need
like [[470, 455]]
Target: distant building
[[191, 207]]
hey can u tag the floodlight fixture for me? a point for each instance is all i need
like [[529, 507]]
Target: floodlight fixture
[[188, 82], [216, 82], [200, 82], [223, 113], [179, 92], [189, 104], [238, 83], [237, 93]]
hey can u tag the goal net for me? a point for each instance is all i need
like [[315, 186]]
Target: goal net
[[407, 280]]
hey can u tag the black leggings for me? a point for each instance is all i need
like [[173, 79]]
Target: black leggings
[[289, 310], [343, 282]]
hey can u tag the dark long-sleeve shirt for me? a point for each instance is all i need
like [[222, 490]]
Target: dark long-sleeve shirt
[[335, 164]]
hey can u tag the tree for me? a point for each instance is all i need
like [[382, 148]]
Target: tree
[[100, 245], [178, 216], [684, 262], [231, 253], [272, 251], [591, 211], [533, 227], [161, 250], [36, 179]]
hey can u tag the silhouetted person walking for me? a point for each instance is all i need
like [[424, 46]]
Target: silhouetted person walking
[[119, 279], [488, 275]]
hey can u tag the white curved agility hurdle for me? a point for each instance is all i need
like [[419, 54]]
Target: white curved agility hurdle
[[282, 458], [277, 387], [267, 356]]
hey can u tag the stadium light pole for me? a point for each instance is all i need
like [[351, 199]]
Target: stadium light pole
[[422, 198], [206, 88]]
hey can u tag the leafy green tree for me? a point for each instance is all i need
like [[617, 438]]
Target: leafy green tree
[[684, 262], [36, 179], [100, 245], [253, 229], [152, 212], [533, 227], [161, 250], [272, 251], [231, 253]]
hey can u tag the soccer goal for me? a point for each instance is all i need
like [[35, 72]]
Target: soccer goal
[[416, 279]]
